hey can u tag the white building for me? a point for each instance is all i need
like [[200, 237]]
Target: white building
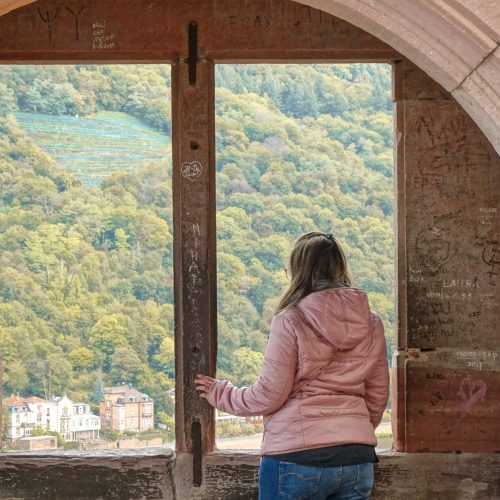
[[21, 419], [74, 421], [58, 415], [84, 424]]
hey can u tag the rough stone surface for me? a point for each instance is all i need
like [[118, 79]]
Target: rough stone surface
[[414, 84], [233, 476], [450, 406], [112, 475], [479, 95], [194, 251], [446, 367], [484, 14], [437, 476]]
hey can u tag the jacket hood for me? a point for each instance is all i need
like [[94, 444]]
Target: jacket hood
[[341, 316]]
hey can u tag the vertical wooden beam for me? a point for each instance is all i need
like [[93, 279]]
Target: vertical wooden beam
[[193, 140], [398, 372], [399, 186]]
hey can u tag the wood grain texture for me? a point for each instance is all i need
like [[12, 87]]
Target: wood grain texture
[[194, 248], [153, 30], [446, 374]]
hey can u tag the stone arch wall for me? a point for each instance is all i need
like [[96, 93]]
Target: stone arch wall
[[456, 42]]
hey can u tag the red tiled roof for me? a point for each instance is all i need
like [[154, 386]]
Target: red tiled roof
[[35, 399], [14, 401]]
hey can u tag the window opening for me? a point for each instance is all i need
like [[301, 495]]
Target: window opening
[[86, 287], [299, 148]]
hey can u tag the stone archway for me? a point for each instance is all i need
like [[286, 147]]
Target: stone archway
[[456, 42], [8, 5]]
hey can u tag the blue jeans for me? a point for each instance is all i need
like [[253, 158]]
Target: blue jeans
[[286, 480]]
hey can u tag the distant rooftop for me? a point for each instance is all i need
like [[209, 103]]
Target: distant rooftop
[[35, 399], [14, 401], [128, 393]]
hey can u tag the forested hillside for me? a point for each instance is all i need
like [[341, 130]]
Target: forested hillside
[[86, 268], [299, 148]]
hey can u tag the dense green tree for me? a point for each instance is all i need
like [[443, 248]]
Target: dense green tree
[[165, 356], [8, 102], [246, 365], [82, 358], [107, 335], [97, 394], [126, 366]]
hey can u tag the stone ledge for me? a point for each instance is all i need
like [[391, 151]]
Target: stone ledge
[[108, 474], [228, 475], [109, 454]]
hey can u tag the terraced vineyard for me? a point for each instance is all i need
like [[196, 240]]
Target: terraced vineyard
[[92, 147]]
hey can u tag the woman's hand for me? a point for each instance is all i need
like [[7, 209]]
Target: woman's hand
[[204, 384]]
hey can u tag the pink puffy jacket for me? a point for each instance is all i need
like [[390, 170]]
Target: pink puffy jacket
[[325, 377]]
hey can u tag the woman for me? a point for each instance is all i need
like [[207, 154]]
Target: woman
[[323, 386]]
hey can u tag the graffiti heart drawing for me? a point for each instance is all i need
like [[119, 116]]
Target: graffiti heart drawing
[[191, 170], [471, 392]]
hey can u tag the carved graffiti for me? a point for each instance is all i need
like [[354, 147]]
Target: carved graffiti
[[491, 257], [50, 14], [48, 17], [434, 249], [191, 170], [488, 216], [471, 392], [101, 40], [76, 16], [244, 14]]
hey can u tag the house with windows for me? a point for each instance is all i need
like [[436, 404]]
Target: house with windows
[[20, 418], [58, 416], [74, 421], [84, 424], [124, 408]]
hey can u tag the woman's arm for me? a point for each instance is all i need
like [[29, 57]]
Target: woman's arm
[[274, 384], [377, 385]]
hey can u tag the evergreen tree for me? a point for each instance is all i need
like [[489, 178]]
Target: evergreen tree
[[97, 394]]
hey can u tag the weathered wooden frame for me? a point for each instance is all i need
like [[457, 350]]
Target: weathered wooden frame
[[318, 37]]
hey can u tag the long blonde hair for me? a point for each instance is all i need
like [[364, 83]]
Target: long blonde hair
[[315, 257]]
